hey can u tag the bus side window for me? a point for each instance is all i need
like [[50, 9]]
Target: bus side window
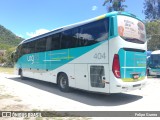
[[41, 45], [93, 32], [48, 44], [31, 46], [55, 41], [69, 38], [24, 49], [18, 52]]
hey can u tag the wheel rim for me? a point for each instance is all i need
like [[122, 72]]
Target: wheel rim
[[63, 82]]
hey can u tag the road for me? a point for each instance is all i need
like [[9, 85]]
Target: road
[[29, 94]]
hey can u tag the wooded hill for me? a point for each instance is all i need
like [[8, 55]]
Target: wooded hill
[[8, 39]]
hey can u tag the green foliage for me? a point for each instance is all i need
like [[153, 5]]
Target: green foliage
[[4, 46], [6, 59], [2, 60], [8, 42], [115, 5], [8, 39], [153, 35], [152, 13], [152, 9]]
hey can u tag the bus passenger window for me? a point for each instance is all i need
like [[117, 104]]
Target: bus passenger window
[[31, 46], [69, 38], [18, 51], [41, 45], [55, 41], [24, 49], [93, 32], [48, 44]]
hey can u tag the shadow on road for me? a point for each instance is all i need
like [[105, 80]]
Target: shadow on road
[[93, 99]]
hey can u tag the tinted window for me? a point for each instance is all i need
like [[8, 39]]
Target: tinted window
[[31, 46], [155, 61], [55, 41], [69, 38], [18, 52], [93, 32], [41, 45], [48, 45], [24, 49]]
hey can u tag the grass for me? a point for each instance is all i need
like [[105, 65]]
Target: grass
[[6, 70], [6, 96]]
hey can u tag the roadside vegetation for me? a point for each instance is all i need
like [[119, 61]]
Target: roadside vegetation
[[8, 43], [6, 70]]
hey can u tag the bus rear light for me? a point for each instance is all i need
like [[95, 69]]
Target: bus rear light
[[116, 66]]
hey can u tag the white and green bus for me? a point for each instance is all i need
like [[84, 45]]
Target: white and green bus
[[154, 64], [106, 54]]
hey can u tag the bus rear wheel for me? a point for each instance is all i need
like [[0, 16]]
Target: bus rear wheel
[[63, 82]]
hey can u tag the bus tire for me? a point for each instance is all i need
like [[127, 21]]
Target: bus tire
[[63, 82], [21, 74], [148, 72]]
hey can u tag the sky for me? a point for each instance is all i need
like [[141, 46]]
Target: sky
[[28, 18]]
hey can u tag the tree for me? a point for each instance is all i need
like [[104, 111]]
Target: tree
[[2, 60], [152, 14], [153, 35], [114, 5], [6, 59], [152, 9]]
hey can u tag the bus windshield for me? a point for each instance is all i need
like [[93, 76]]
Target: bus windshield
[[131, 29], [155, 61]]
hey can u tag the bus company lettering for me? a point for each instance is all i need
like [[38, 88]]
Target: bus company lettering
[[30, 58]]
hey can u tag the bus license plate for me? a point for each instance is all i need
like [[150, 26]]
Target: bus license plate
[[135, 76]]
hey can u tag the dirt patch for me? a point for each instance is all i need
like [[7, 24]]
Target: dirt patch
[[10, 102], [17, 96]]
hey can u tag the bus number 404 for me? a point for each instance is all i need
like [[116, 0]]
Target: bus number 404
[[100, 56]]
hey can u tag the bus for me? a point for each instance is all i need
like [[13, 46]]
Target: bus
[[106, 54], [154, 64]]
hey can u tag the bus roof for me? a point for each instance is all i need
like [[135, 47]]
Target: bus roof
[[78, 24], [155, 52]]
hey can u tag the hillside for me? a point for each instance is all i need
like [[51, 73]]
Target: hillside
[[8, 39]]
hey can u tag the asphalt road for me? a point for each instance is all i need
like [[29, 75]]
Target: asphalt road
[[38, 95]]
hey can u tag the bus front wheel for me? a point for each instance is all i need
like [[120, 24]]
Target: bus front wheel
[[63, 82], [21, 74]]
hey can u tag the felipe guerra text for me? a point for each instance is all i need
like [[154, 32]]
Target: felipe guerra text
[[145, 115]]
